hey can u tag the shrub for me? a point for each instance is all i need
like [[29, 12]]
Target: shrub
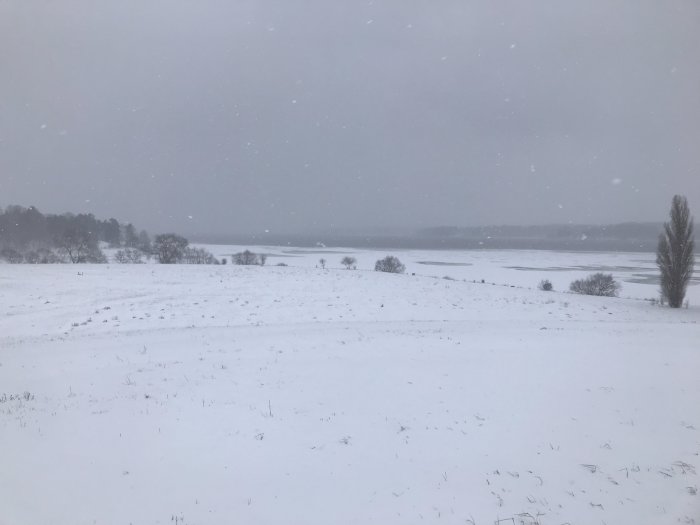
[[389, 264], [545, 285], [129, 256], [12, 256], [43, 256], [198, 256], [248, 258], [601, 284], [350, 263], [170, 248]]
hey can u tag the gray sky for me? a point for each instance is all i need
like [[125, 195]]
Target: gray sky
[[245, 115]]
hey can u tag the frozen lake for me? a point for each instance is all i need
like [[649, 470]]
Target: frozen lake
[[637, 272]]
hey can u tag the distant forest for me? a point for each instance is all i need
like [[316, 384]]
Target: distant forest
[[27, 235]]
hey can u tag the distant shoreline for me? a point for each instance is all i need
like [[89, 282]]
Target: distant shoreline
[[428, 243]]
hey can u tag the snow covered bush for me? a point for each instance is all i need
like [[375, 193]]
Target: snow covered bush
[[389, 264], [43, 256], [349, 262], [198, 256], [170, 248], [545, 285], [11, 255], [601, 284], [129, 256], [248, 258]]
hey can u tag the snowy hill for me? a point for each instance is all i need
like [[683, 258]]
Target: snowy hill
[[195, 395]]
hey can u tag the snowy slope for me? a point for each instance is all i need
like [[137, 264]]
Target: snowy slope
[[207, 395]]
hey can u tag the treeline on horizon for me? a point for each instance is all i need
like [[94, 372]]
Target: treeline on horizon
[[29, 235]]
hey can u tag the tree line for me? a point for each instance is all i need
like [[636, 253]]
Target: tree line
[[27, 235]]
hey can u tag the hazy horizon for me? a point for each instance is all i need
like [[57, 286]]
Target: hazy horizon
[[246, 117]]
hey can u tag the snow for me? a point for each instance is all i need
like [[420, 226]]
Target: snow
[[223, 394]]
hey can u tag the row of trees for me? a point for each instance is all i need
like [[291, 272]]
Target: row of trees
[[22, 227], [27, 235]]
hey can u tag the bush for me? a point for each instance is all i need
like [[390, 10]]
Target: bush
[[389, 264], [545, 285], [129, 256], [198, 256], [43, 256], [350, 263], [248, 258], [601, 284], [170, 248], [12, 256]]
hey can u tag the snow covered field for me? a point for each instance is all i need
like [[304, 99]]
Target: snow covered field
[[196, 395]]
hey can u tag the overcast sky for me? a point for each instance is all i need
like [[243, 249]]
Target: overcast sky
[[246, 115]]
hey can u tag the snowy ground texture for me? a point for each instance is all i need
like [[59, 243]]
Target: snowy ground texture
[[199, 395]]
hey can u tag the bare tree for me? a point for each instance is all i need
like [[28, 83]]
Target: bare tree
[[129, 256], [350, 263], [170, 247], [674, 254], [80, 246], [246, 258], [198, 256], [389, 264], [599, 283]]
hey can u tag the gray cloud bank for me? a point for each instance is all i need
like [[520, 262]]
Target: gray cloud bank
[[241, 116]]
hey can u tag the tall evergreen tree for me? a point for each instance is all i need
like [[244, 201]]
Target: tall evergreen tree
[[674, 254]]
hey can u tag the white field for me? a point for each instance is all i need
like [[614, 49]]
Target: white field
[[196, 395]]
